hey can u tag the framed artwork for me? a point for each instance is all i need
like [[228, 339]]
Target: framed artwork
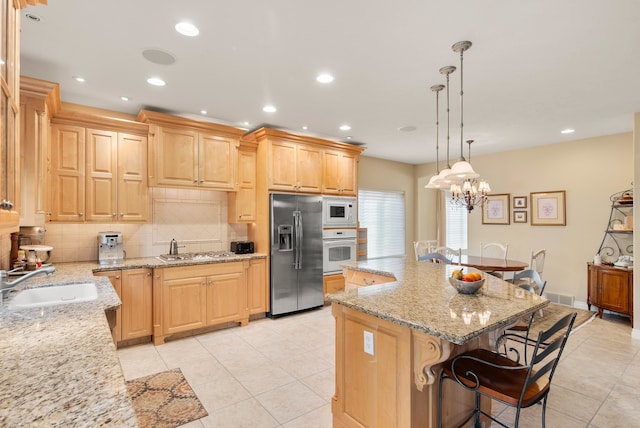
[[519, 202], [519, 216], [548, 208], [496, 209]]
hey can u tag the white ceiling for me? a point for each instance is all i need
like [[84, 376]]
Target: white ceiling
[[536, 66]]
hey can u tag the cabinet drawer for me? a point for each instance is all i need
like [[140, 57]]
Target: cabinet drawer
[[354, 279]]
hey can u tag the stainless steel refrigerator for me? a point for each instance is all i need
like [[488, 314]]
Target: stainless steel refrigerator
[[296, 253]]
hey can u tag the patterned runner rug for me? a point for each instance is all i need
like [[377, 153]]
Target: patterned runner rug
[[164, 400]]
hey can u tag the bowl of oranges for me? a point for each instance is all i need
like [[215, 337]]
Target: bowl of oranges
[[466, 283]]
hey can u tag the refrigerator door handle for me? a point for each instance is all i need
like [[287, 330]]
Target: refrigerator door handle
[[297, 240]]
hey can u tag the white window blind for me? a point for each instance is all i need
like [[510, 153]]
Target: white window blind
[[383, 214], [456, 224]]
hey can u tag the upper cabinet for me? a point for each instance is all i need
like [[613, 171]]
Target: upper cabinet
[[242, 202], [98, 171], [9, 114], [295, 163], [189, 153], [339, 175]]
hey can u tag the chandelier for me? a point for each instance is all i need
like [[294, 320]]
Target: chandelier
[[467, 190]]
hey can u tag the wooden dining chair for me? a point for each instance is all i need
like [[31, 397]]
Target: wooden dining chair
[[434, 258], [421, 248], [499, 378], [494, 250]]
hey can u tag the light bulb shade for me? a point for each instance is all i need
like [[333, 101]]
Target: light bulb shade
[[446, 179], [433, 183], [484, 187], [462, 170]]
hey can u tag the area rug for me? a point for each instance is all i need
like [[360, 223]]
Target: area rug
[[164, 400]]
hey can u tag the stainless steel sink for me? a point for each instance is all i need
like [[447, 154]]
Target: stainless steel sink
[[55, 295], [206, 255]]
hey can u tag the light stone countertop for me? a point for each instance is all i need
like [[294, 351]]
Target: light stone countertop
[[421, 298], [58, 364]]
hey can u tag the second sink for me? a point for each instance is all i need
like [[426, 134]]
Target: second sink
[[55, 295]]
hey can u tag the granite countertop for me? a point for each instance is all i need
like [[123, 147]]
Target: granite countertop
[[421, 298], [58, 364]]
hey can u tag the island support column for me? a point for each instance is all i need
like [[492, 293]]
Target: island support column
[[385, 376]]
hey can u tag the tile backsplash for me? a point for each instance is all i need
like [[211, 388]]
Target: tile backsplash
[[197, 219]]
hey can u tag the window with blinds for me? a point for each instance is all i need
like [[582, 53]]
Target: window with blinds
[[456, 224], [383, 214]]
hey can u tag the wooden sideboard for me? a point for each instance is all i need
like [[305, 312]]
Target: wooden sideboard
[[610, 288]]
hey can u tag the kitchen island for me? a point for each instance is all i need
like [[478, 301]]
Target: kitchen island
[[390, 337]]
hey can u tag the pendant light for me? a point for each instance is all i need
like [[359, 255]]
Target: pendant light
[[443, 180], [462, 169], [433, 184], [468, 194]]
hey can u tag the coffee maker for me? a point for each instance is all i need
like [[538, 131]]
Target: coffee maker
[[110, 247]]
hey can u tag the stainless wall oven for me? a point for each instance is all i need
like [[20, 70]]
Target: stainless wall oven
[[338, 246]]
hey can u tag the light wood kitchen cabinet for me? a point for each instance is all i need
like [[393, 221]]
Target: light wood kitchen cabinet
[[39, 101], [356, 279], [9, 117], [242, 202], [339, 173], [189, 153], [192, 297], [295, 167], [610, 288], [257, 287], [333, 283], [97, 174], [134, 317]]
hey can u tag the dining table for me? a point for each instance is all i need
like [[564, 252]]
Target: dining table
[[490, 263]]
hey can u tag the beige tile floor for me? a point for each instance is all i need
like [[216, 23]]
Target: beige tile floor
[[280, 373]]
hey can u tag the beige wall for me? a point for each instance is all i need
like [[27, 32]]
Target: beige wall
[[589, 171], [380, 174]]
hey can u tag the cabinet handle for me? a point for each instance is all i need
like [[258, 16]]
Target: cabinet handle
[[80, 214], [121, 214], [148, 273], [117, 276], [201, 181], [195, 181], [6, 205], [113, 214]]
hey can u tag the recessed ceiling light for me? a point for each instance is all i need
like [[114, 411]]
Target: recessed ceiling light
[[156, 81], [159, 57], [349, 137], [124, 98], [345, 127], [203, 112], [79, 79], [187, 29], [568, 131], [325, 78], [305, 127], [245, 123], [269, 109]]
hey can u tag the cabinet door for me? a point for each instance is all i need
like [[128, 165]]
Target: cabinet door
[[225, 298], [339, 173], [615, 289], [282, 171], [133, 203], [115, 277], [242, 202], [216, 160], [333, 283], [101, 169], [67, 173], [593, 297], [136, 303], [257, 290], [177, 162], [309, 169], [184, 304]]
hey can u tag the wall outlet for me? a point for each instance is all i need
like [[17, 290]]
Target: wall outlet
[[368, 342]]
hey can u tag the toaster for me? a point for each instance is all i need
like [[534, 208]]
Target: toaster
[[242, 247]]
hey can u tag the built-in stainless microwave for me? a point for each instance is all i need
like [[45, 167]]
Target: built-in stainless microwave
[[339, 211]]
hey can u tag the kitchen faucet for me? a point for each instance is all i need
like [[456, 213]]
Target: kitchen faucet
[[5, 285]]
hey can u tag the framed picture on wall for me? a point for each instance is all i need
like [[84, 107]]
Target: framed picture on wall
[[548, 208], [496, 209], [519, 202], [519, 216]]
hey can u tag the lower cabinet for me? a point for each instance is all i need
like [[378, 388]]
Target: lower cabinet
[[610, 288], [257, 289], [333, 283], [134, 318], [356, 279], [192, 297]]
